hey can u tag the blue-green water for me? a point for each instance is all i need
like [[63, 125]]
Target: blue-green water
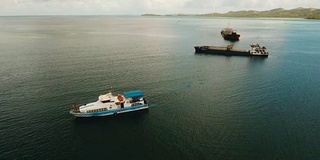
[[202, 106]]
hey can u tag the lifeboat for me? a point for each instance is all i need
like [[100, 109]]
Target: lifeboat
[[120, 97]]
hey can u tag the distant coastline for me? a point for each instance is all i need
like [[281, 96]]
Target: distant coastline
[[307, 13]]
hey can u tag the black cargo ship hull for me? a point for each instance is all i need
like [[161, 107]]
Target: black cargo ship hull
[[220, 51], [231, 37]]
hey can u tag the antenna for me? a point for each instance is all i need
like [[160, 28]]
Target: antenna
[[110, 88]]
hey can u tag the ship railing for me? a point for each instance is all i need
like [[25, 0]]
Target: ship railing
[[75, 108]]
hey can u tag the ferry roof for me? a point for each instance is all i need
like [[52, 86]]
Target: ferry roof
[[130, 94]]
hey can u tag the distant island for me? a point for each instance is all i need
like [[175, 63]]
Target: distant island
[[308, 13]]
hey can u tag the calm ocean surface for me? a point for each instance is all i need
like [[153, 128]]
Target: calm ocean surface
[[201, 106]]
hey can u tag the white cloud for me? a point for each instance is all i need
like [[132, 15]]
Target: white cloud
[[39, 7]]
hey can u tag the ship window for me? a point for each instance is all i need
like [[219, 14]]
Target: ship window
[[105, 101]]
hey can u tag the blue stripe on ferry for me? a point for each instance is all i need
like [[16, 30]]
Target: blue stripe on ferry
[[114, 110]]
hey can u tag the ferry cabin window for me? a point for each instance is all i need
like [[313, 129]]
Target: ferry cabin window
[[135, 99], [98, 110], [106, 101]]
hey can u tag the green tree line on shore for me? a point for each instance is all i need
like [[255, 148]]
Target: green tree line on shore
[[308, 13]]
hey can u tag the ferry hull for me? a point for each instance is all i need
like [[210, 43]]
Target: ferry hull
[[110, 112]]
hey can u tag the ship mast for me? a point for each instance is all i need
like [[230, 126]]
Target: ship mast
[[110, 88]]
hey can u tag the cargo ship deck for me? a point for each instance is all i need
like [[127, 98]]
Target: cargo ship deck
[[255, 50]]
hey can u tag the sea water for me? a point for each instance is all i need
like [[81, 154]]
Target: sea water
[[201, 106]]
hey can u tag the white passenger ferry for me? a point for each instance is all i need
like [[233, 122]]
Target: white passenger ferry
[[108, 104]]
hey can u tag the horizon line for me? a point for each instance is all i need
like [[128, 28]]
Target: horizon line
[[21, 15]]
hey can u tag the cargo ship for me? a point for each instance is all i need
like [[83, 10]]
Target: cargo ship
[[255, 50], [230, 34]]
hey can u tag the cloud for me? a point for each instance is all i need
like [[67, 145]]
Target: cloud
[[111, 7]]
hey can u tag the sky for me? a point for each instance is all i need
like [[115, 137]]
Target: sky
[[138, 7]]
